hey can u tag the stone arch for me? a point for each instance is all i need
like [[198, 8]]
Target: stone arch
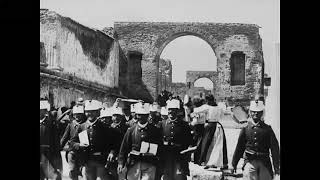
[[150, 38], [193, 76], [164, 39]]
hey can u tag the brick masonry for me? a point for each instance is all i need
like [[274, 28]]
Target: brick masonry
[[150, 38]]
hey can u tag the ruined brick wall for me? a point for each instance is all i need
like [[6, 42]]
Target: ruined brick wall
[[82, 62], [150, 38], [193, 76]]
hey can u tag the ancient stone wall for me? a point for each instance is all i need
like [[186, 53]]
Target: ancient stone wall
[[150, 38], [73, 51], [179, 89]]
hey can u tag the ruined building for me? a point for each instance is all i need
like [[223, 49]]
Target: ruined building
[[77, 61], [124, 60]]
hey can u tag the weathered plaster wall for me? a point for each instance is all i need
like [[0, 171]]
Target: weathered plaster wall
[[150, 38], [82, 62], [75, 49]]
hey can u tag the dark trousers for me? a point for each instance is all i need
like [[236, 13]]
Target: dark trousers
[[96, 169], [74, 165]]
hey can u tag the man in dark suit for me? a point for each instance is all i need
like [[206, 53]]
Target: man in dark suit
[[177, 137], [49, 144], [139, 152], [71, 130], [101, 147], [254, 143]]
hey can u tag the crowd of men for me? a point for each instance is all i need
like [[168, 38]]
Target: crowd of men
[[150, 141]]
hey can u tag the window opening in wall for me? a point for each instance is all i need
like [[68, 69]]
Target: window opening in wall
[[237, 66]]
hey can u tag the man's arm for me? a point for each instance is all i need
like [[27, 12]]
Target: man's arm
[[75, 141], [66, 136], [239, 148], [63, 115], [125, 147], [275, 152]]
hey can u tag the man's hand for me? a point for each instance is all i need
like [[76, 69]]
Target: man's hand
[[110, 157], [234, 170], [83, 145], [120, 168]]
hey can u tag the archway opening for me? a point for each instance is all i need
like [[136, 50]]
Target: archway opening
[[204, 82], [185, 53], [202, 86]]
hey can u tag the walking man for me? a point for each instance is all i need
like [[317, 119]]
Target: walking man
[[72, 157], [254, 143], [49, 144], [177, 137], [139, 152], [97, 143]]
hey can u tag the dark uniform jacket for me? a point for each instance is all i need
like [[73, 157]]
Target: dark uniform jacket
[[132, 141], [102, 139], [49, 141], [71, 130], [254, 142], [176, 136], [121, 128], [176, 133], [156, 120]]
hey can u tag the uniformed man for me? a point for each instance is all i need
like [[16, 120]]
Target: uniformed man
[[176, 138], [49, 144], [118, 124], [71, 130], [254, 143], [106, 116], [154, 117], [102, 143], [139, 152], [126, 113], [134, 119]]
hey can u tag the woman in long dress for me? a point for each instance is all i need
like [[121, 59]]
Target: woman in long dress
[[212, 148]]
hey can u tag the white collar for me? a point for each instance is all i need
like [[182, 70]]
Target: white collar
[[142, 125], [41, 120], [91, 123], [255, 124]]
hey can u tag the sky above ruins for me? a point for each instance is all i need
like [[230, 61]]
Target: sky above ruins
[[186, 52]]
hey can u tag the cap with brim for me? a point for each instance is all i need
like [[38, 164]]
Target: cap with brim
[[105, 112], [78, 109], [118, 111], [164, 111], [142, 108], [154, 108], [92, 105], [173, 104], [44, 105], [256, 106]]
